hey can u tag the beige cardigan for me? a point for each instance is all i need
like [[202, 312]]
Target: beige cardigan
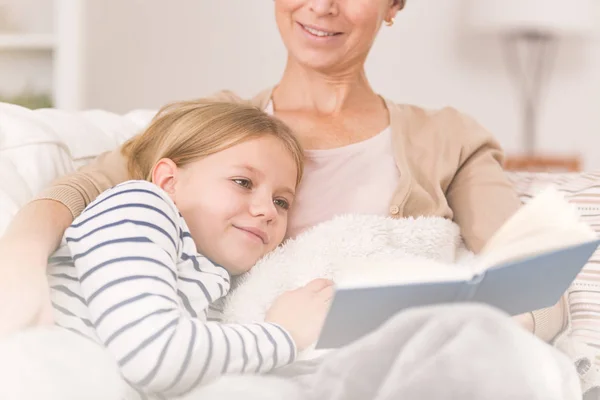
[[449, 166]]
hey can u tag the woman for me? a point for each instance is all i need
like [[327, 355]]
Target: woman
[[409, 160]]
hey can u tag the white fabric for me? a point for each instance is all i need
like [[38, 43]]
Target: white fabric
[[365, 175], [349, 246], [38, 146], [361, 249], [55, 364], [409, 357]]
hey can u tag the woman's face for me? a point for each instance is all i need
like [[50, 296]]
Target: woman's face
[[331, 35]]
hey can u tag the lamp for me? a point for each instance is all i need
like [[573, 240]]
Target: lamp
[[531, 31]]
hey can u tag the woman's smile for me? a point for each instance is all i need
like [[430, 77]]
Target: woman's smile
[[318, 34]]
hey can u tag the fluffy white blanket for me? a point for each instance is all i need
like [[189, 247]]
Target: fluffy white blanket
[[366, 247]]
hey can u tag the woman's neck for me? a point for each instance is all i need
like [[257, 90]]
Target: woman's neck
[[329, 94]]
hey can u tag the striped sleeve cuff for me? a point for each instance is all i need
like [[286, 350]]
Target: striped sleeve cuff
[[285, 347]]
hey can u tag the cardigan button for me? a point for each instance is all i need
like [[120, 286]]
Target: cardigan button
[[394, 210]]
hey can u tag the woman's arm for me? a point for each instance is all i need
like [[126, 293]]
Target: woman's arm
[[77, 190], [39, 226], [480, 195], [482, 200], [24, 253], [36, 231], [125, 248]]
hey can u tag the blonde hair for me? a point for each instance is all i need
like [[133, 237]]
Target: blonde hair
[[189, 130]]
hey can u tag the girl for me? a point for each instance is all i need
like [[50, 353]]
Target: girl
[[146, 264]]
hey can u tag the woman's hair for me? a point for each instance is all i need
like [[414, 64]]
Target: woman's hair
[[402, 3], [189, 130]]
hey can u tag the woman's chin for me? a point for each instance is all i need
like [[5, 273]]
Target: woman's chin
[[321, 63]]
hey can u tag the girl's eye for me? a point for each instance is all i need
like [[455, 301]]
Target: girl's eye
[[282, 203], [245, 183]]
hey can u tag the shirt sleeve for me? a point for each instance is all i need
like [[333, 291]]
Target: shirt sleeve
[[483, 199], [480, 194], [125, 247], [80, 188]]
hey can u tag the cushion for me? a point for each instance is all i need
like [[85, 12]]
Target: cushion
[[583, 190], [37, 146]]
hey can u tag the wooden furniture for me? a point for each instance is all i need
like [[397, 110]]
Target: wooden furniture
[[543, 163]]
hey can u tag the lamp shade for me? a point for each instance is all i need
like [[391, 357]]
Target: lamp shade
[[554, 17]]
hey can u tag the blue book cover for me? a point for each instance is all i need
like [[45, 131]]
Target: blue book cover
[[518, 286]]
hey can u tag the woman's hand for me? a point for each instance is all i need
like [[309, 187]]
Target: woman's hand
[[526, 321], [24, 291], [302, 311]]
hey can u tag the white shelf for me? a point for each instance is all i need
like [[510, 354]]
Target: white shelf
[[56, 56], [27, 41]]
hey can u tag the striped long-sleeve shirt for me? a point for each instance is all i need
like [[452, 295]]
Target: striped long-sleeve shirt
[[130, 278]]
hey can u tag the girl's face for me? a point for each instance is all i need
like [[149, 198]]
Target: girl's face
[[236, 201], [328, 35]]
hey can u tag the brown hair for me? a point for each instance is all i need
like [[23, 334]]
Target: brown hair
[[186, 131]]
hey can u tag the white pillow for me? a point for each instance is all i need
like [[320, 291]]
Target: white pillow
[[329, 249]]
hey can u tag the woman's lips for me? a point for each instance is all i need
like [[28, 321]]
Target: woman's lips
[[318, 32]]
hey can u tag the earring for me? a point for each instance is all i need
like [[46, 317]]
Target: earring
[[390, 22]]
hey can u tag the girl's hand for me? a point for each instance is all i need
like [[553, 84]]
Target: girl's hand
[[302, 311]]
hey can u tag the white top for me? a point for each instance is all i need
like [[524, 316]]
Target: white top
[[359, 178], [140, 288]]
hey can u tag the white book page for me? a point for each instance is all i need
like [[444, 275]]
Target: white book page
[[378, 271], [548, 222], [529, 246]]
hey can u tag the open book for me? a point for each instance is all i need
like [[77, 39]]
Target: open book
[[527, 265]]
